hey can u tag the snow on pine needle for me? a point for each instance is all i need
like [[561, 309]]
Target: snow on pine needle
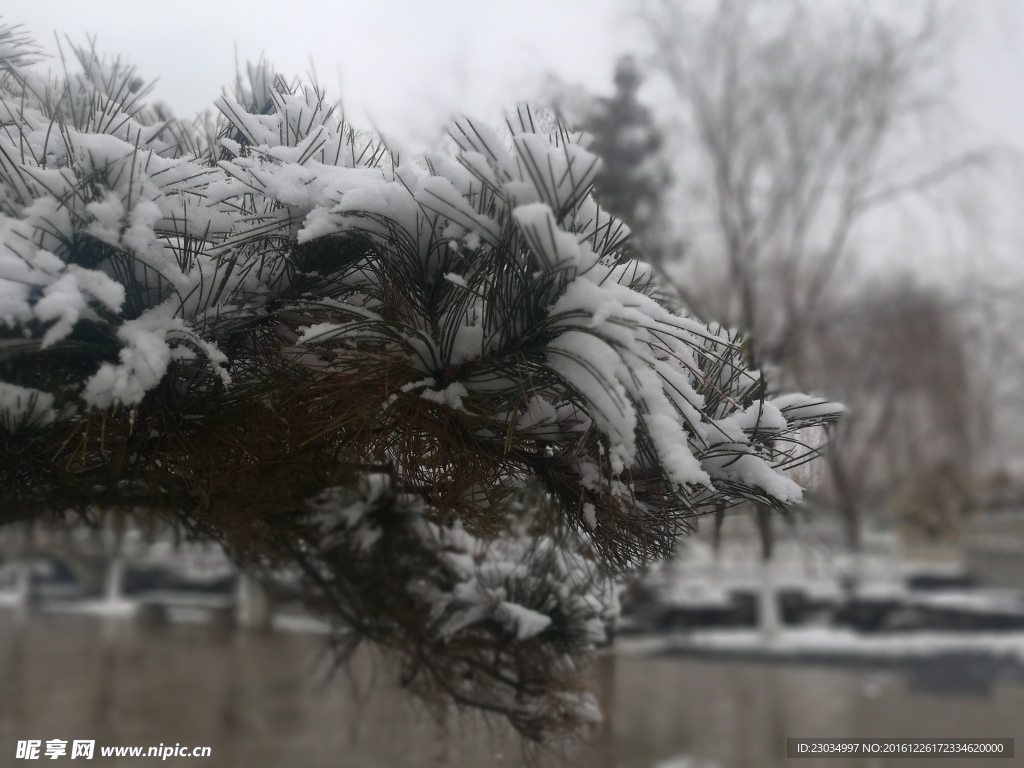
[[228, 321]]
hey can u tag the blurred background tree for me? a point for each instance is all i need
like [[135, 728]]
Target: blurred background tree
[[792, 133], [636, 172]]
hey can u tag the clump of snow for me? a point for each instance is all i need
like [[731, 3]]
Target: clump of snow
[[22, 406], [595, 370], [344, 513], [800, 407], [451, 395], [468, 344], [439, 194], [151, 342], [556, 248], [492, 572], [525, 622], [455, 279]]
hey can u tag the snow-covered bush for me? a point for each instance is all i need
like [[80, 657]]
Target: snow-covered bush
[[435, 388]]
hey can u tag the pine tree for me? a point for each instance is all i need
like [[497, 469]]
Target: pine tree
[[633, 174], [437, 394]]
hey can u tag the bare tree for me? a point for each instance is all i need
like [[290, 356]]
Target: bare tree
[[794, 119], [917, 410], [799, 122]]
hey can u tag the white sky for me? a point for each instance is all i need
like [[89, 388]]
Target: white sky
[[404, 64], [407, 64]]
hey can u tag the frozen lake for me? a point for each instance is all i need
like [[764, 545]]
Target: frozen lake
[[259, 702]]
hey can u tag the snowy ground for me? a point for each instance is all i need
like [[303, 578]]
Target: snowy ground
[[698, 579], [102, 607], [1003, 601], [828, 643], [810, 564], [687, 761]]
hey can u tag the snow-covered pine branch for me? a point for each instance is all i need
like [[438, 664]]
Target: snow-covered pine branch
[[237, 325]]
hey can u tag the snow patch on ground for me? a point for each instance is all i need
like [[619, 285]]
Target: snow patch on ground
[[829, 642], [687, 761], [121, 608]]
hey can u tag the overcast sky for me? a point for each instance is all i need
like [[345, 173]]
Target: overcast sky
[[406, 64], [402, 63]]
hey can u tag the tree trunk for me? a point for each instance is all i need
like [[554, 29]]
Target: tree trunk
[[716, 543], [254, 609], [24, 588], [768, 615], [23, 583], [114, 587]]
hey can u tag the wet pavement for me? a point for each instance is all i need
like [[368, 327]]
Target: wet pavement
[[261, 701]]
